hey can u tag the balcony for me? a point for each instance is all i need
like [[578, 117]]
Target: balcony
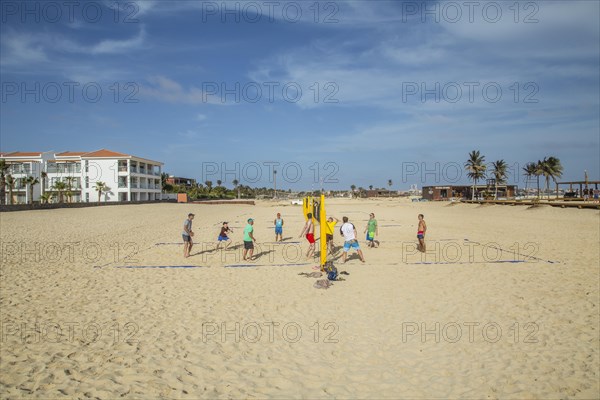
[[122, 185], [64, 169], [19, 169], [122, 168]]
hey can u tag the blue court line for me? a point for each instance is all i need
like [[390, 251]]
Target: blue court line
[[241, 265], [263, 265], [158, 266]]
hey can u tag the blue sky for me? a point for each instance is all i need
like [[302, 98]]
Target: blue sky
[[389, 90]]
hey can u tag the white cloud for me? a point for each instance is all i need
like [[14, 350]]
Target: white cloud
[[165, 89], [110, 46], [21, 49]]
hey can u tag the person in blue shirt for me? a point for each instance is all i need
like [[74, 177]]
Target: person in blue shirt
[[278, 228]]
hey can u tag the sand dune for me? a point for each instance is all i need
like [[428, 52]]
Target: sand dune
[[100, 303]]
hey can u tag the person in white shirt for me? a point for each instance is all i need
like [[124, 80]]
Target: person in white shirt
[[349, 232]]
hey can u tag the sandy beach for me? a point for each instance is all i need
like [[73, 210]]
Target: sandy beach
[[100, 303]]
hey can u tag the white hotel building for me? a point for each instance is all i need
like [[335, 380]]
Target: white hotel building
[[127, 177]]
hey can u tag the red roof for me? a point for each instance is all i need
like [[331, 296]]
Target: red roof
[[71, 154], [105, 153], [22, 154]]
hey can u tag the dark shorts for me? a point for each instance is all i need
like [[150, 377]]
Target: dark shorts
[[186, 238], [310, 237], [248, 245], [278, 230], [328, 237], [222, 238], [420, 236], [370, 236]]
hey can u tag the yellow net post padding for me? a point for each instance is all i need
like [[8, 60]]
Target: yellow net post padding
[[308, 206], [323, 223]]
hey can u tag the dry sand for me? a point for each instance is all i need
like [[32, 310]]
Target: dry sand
[[466, 321]]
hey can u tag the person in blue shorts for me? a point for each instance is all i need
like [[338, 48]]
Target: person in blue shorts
[[225, 229], [278, 228], [349, 232], [371, 230]]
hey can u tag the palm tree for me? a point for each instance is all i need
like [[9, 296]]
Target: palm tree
[[475, 168], [390, 183], [60, 187], [100, 187], [69, 181], [539, 170], [236, 185], [499, 173], [46, 197], [44, 176], [208, 185], [529, 170], [3, 168], [31, 182], [219, 182], [551, 168], [10, 182], [370, 187]]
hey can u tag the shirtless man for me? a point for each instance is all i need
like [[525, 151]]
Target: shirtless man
[[309, 230], [421, 233]]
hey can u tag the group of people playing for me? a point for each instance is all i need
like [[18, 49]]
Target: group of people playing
[[249, 238], [347, 230]]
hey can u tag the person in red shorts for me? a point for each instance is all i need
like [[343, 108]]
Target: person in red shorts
[[309, 230]]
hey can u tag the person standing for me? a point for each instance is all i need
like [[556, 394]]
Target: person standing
[[371, 230], [421, 233], [309, 229], [349, 232], [249, 240], [331, 222], [187, 235], [278, 227]]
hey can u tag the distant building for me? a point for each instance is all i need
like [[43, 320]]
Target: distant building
[[127, 177], [440, 193], [186, 182], [381, 193], [22, 165]]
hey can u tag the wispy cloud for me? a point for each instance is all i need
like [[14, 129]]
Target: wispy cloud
[[21, 49], [31, 50], [120, 46], [165, 89]]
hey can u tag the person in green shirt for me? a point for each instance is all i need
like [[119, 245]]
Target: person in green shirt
[[371, 230], [249, 240]]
